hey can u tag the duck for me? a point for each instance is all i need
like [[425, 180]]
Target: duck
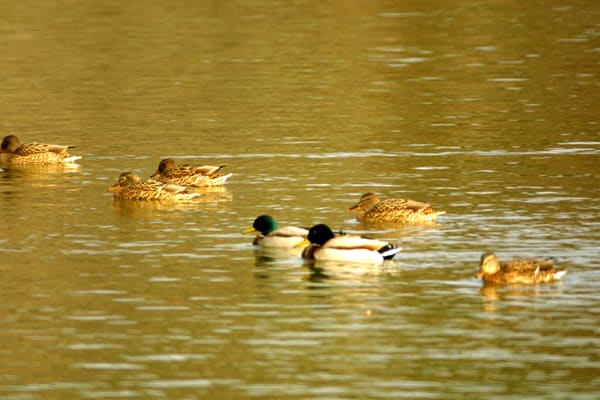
[[323, 244], [189, 175], [13, 152], [131, 187], [524, 270], [269, 234], [372, 209]]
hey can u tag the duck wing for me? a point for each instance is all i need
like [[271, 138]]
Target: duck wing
[[149, 185], [416, 205], [209, 170], [193, 170], [349, 242], [527, 265], [36, 148], [175, 189], [290, 231]]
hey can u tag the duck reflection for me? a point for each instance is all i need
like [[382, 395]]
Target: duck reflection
[[269, 262], [316, 274], [495, 292], [37, 172], [321, 270], [399, 231], [210, 199], [416, 226], [515, 295], [273, 254]]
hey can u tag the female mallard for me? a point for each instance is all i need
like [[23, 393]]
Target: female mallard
[[270, 235], [130, 187], [371, 209], [13, 152], [517, 271], [189, 175], [324, 245]]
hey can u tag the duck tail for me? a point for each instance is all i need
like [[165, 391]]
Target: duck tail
[[559, 274], [221, 180], [389, 251], [71, 159]]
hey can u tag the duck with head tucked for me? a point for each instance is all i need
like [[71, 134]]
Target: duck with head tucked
[[130, 187], [323, 244], [13, 152], [269, 234], [190, 175], [526, 270], [371, 209]]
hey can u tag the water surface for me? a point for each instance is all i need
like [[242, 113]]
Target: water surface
[[488, 111]]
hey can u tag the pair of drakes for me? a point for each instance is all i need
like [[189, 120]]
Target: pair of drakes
[[320, 243], [170, 182], [13, 152]]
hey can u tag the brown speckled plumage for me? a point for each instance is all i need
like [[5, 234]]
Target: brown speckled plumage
[[189, 175], [526, 270], [371, 209], [129, 187], [14, 152]]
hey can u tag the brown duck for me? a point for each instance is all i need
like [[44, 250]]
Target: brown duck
[[372, 209], [190, 175], [13, 152], [130, 187], [526, 270]]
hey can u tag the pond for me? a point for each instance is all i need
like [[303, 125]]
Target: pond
[[486, 110]]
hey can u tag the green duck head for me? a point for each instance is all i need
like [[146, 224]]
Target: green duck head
[[264, 224]]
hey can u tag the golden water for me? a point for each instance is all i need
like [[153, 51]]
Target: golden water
[[488, 111]]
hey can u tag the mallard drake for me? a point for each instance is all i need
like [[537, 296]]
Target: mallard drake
[[13, 152], [323, 244], [517, 271], [189, 175], [130, 187], [371, 209], [270, 235]]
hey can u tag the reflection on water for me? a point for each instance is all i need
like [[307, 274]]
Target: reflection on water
[[274, 254], [210, 199], [36, 175], [399, 228], [520, 298], [348, 272], [499, 292], [487, 111]]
